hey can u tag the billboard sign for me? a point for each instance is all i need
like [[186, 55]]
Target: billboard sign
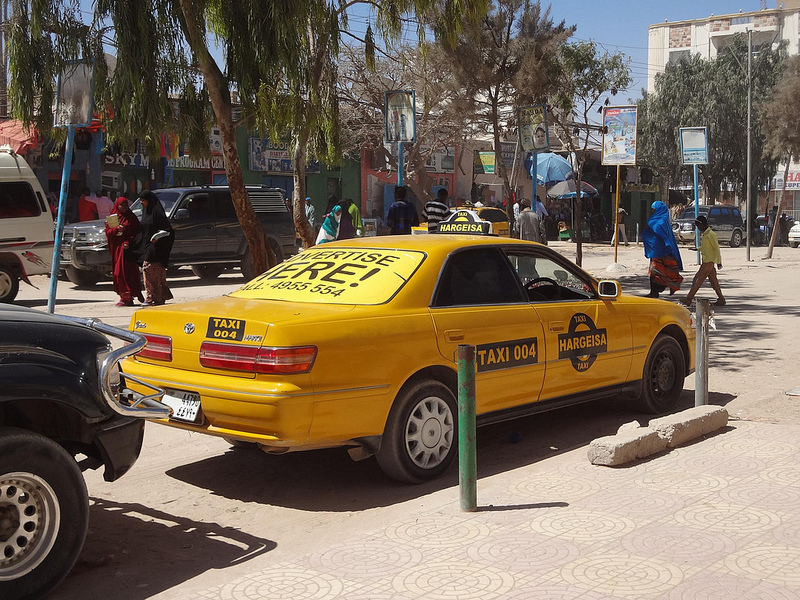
[[694, 145], [619, 135], [533, 133], [400, 116]]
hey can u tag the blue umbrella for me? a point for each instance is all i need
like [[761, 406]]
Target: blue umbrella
[[566, 190], [550, 168]]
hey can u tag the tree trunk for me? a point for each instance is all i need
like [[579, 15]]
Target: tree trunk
[[418, 178], [579, 214], [783, 197], [261, 254], [301, 224], [499, 167]]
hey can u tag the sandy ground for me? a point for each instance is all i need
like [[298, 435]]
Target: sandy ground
[[193, 513]]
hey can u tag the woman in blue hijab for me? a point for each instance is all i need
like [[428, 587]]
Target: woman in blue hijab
[[662, 250]]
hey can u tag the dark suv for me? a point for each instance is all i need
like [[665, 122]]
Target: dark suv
[[726, 221], [208, 236]]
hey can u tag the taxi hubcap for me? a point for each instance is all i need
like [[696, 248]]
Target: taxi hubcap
[[429, 434], [5, 284], [664, 374], [29, 522]]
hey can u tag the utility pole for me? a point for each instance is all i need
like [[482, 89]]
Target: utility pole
[[3, 60], [749, 150]]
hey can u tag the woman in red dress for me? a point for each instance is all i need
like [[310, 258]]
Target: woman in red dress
[[125, 273]]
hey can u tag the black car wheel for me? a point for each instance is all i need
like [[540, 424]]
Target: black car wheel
[[664, 373], [9, 284], [419, 441], [208, 272], [736, 239], [81, 277], [44, 513]]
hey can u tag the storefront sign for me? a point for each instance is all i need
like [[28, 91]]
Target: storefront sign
[[266, 156], [197, 164], [442, 160], [127, 159], [483, 163]]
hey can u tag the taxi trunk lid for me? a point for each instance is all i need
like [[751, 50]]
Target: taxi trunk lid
[[228, 320]]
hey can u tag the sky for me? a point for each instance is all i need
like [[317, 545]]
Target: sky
[[621, 26]]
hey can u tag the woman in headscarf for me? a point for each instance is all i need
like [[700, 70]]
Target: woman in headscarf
[[330, 226], [157, 240], [662, 250], [124, 269]]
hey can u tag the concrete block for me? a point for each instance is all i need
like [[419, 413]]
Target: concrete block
[[689, 424], [632, 426], [626, 446]]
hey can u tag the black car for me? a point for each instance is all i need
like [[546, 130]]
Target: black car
[[62, 397], [208, 236], [726, 221]]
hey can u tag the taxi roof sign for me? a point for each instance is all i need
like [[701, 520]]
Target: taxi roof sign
[[464, 222]]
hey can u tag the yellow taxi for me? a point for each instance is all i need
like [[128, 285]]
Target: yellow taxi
[[497, 217], [353, 343]]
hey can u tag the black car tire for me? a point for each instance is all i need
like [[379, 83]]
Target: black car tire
[[247, 261], [9, 284], [44, 513], [663, 376], [208, 272], [736, 239], [426, 409], [82, 277], [794, 244]]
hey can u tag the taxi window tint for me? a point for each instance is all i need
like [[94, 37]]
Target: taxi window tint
[[493, 215], [538, 274], [478, 276]]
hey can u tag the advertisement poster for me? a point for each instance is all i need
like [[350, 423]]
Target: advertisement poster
[[619, 135], [74, 95], [694, 145], [399, 116], [533, 133], [273, 158], [483, 163], [507, 152]]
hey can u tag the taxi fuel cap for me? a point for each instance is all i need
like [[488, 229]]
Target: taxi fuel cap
[[465, 222]]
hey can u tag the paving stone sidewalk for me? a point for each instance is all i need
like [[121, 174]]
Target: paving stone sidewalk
[[716, 519]]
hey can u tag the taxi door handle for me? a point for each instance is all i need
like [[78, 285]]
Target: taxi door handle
[[556, 326], [454, 335]]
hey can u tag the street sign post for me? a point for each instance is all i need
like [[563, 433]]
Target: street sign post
[[619, 148], [534, 136], [74, 102], [694, 151], [400, 122]]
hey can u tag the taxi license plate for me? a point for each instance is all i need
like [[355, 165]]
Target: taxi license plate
[[185, 405]]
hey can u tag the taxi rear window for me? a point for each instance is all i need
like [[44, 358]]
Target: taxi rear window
[[336, 276]]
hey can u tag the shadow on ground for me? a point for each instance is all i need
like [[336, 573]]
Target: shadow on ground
[[160, 550]]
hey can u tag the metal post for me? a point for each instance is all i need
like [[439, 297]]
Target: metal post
[[696, 214], [615, 218], [467, 454], [399, 164], [62, 209], [534, 174], [701, 352], [749, 150]]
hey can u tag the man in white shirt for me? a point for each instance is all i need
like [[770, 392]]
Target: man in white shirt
[[104, 204]]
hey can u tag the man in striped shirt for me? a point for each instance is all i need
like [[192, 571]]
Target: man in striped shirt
[[436, 210]]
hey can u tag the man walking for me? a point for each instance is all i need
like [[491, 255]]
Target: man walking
[[711, 258], [620, 227], [310, 213], [529, 228], [402, 213], [436, 210]]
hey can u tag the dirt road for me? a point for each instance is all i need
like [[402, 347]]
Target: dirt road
[[193, 513]]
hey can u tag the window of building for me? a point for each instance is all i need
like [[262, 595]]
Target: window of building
[[678, 55]]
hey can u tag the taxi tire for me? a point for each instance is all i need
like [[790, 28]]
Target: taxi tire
[[48, 489], [663, 376], [393, 456], [9, 284]]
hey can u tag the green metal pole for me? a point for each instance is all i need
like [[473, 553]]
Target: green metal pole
[[467, 454]]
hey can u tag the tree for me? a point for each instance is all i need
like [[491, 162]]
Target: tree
[[506, 61], [442, 118], [278, 59], [585, 78], [782, 127]]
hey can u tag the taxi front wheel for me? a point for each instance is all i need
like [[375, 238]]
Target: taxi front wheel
[[419, 441], [664, 373]]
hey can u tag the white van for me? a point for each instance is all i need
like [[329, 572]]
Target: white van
[[26, 225]]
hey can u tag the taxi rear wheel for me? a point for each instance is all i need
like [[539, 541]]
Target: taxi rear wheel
[[419, 441], [664, 373]]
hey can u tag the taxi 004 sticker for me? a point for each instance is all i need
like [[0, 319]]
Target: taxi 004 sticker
[[582, 342], [503, 355], [225, 329]]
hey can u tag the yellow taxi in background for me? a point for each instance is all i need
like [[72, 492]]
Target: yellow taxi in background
[[497, 217], [353, 343]]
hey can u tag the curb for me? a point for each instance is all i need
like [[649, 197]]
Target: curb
[[633, 441]]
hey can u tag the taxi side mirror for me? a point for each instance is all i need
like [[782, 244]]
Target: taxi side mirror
[[608, 289]]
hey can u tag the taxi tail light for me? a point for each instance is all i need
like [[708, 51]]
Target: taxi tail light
[[158, 347], [252, 359]]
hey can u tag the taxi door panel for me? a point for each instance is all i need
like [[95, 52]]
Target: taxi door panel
[[508, 342], [587, 345]]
